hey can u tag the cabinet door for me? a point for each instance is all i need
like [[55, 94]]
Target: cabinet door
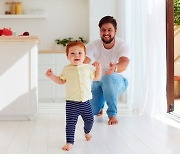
[[14, 72], [46, 88], [61, 61], [18, 78]]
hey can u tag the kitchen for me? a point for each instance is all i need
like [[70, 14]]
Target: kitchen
[[135, 133], [51, 20]]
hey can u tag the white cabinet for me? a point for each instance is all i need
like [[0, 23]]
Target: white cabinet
[[18, 77], [48, 90]]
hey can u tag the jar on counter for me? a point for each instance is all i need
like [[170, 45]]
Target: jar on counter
[[7, 8], [13, 7], [18, 7]]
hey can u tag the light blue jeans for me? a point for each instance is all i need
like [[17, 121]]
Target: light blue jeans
[[107, 90]]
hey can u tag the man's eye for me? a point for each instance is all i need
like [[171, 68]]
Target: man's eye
[[103, 30]]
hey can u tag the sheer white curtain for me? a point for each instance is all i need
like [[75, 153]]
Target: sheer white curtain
[[145, 24]]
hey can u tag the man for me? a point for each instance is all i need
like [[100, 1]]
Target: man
[[113, 54]]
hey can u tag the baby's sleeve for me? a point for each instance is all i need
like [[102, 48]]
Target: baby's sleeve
[[62, 75], [92, 70]]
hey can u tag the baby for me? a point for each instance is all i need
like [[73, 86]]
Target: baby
[[77, 78]]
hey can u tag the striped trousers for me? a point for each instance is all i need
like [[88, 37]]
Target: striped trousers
[[73, 110]]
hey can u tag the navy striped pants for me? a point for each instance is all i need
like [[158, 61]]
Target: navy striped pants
[[73, 110]]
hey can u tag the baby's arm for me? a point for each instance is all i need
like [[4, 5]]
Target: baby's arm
[[98, 71], [53, 77]]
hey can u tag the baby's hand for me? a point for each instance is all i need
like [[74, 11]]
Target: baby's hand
[[49, 73], [97, 64], [98, 71]]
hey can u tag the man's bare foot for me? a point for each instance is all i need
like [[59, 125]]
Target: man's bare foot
[[67, 147], [112, 120], [100, 113], [88, 137]]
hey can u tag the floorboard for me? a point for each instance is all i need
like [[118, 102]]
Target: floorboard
[[133, 135]]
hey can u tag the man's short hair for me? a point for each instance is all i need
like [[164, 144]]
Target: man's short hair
[[108, 19]]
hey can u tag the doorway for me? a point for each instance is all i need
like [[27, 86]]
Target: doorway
[[173, 104], [176, 57], [170, 54]]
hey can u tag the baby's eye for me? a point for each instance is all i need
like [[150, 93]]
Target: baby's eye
[[80, 53], [72, 53]]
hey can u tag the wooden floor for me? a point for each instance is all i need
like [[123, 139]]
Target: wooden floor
[[133, 135]]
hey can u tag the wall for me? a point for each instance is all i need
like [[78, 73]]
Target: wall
[[105, 9], [64, 18], [100, 8]]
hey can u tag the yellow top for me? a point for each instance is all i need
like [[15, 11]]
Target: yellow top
[[78, 81]]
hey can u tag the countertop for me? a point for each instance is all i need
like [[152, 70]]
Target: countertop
[[27, 39], [51, 51], [19, 38]]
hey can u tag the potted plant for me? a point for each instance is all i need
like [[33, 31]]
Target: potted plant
[[82, 39], [64, 41], [176, 42], [176, 17], [176, 12], [61, 43]]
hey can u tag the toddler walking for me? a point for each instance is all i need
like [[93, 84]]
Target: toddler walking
[[77, 78]]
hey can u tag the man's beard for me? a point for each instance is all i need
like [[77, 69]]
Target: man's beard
[[108, 41]]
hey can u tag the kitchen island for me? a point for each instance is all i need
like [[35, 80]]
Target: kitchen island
[[18, 77]]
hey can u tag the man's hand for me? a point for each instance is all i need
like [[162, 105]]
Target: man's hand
[[111, 69]]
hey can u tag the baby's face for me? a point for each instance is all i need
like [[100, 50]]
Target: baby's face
[[76, 55]]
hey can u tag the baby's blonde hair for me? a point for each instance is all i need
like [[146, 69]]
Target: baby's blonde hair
[[75, 43]]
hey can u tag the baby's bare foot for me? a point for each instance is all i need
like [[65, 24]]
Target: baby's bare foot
[[67, 147], [88, 137], [112, 120]]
